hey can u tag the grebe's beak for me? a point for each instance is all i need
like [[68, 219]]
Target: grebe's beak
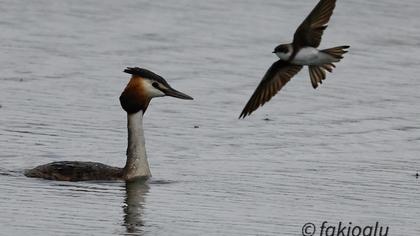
[[174, 93]]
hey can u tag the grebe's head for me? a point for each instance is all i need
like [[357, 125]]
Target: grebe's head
[[283, 51], [143, 86]]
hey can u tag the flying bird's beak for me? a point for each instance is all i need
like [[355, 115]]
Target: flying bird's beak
[[177, 94]]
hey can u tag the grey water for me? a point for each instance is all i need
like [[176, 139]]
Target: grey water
[[346, 152]]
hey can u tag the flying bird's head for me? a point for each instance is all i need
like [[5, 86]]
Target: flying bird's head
[[284, 51], [143, 86]]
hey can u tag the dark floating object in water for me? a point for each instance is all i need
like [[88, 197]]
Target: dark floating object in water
[[267, 119], [417, 175], [143, 86], [196, 126]]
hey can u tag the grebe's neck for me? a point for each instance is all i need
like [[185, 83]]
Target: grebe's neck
[[136, 165]]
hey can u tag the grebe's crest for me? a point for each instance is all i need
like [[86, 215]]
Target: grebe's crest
[[143, 86], [146, 74]]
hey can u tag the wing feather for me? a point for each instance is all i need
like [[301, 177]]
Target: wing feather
[[274, 79], [309, 33]]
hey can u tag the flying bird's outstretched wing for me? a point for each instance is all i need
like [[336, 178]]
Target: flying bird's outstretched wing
[[274, 79], [309, 33]]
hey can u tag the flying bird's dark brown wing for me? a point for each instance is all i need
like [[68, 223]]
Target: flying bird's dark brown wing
[[274, 79], [309, 33]]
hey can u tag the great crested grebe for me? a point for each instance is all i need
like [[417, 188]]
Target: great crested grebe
[[301, 52], [143, 86]]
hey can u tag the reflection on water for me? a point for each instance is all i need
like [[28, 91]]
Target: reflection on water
[[136, 192]]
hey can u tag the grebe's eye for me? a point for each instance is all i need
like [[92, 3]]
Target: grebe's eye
[[155, 84]]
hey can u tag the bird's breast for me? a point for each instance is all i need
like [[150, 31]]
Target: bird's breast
[[310, 56]]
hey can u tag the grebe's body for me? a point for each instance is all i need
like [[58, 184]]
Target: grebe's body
[[75, 171], [301, 52], [143, 86]]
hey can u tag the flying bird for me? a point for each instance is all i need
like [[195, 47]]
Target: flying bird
[[301, 52]]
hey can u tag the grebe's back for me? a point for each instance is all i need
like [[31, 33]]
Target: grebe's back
[[75, 171]]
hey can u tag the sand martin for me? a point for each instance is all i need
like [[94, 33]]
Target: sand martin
[[301, 52]]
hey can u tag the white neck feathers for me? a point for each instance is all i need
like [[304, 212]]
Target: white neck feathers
[[136, 165]]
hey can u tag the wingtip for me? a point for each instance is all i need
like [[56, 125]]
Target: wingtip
[[242, 115]]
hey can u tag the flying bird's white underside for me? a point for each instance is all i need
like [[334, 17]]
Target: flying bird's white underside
[[311, 56]]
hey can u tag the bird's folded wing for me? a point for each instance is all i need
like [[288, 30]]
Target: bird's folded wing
[[309, 33], [274, 79]]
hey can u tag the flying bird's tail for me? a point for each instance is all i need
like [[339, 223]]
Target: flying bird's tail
[[317, 73], [336, 52]]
